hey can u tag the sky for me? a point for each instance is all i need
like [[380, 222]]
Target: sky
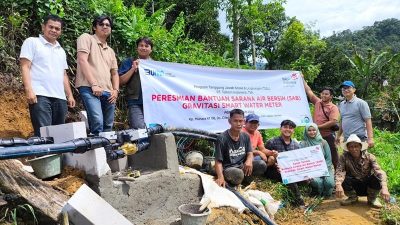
[[328, 16]]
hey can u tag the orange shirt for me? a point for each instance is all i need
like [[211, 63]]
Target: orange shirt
[[319, 118], [256, 138]]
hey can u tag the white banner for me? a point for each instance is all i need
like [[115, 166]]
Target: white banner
[[200, 97], [302, 164]]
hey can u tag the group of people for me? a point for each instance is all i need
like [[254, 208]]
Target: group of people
[[98, 79], [240, 152]]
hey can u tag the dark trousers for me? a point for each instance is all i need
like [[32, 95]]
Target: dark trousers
[[361, 186], [235, 175], [334, 152], [273, 174], [47, 111]]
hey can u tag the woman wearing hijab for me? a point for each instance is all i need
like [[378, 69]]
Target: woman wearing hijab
[[321, 186]]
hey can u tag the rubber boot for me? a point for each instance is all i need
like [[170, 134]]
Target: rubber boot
[[373, 201], [351, 198]]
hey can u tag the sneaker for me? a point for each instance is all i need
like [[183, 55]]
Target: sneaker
[[349, 201], [375, 204]]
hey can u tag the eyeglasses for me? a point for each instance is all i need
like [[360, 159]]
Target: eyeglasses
[[346, 87], [104, 24]]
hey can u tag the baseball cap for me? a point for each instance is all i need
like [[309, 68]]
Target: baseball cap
[[347, 83], [252, 117]]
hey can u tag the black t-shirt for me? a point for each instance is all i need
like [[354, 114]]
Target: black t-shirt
[[232, 153]]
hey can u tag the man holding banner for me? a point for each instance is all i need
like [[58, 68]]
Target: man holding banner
[[326, 116], [285, 143], [129, 76], [234, 154]]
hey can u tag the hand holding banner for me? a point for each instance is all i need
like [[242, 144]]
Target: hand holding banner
[[302, 164]]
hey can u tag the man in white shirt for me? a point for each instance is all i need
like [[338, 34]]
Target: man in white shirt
[[43, 66]]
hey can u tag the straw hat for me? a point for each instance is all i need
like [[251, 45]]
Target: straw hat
[[355, 138]]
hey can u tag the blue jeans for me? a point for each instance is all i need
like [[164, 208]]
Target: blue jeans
[[99, 111], [47, 111], [136, 117]]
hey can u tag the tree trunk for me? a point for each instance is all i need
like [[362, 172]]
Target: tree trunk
[[253, 48], [235, 31], [42, 197]]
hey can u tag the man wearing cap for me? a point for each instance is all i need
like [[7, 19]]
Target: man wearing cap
[[234, 154], [326, 116], [358, 174], [356, 116], [284, 143], [257, 143]]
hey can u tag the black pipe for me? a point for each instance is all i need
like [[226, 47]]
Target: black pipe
[[252, 208], [80, 145], [15, 141], [189, 130], [193, 135], [128, 135]]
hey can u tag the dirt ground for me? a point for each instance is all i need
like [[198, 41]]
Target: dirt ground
[[69, 181], [15, 122], [14, 119], [328, 212]]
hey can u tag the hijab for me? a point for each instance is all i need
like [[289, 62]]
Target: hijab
[[307, 140]]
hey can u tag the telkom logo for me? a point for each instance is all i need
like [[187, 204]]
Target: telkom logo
[[154, 73]]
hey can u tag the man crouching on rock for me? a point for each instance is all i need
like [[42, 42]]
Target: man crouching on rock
[[234, 154], [358, 174]]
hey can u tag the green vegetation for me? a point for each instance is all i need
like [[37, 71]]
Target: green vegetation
[[10, 213], [387, 152]]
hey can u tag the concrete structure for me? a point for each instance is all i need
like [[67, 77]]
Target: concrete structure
[[85, 207], [119, 164], [93, 162], [161, 154], [64, 132], [152, 198]]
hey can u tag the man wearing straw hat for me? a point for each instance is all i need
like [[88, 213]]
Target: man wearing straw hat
[[358, 174]]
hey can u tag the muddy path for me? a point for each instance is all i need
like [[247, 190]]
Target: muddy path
[[329, 212], [332, 213]]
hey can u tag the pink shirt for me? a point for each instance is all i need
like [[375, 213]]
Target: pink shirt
[[256, 138], [319, 118]]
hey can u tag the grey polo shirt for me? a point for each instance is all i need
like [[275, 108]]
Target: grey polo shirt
[[354, 113]]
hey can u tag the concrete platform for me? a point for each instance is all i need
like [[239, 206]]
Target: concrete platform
[[153, 198]]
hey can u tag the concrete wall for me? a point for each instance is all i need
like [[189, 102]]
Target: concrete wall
[[160, 155]]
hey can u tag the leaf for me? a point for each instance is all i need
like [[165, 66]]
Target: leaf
[[5, 214], [14, 216]]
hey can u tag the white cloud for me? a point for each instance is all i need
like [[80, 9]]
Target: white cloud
[[339, 15]]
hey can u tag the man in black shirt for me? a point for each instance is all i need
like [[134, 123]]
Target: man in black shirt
[[234, 154]]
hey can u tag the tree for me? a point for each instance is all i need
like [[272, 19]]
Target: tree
[[370, 68], [275, 23], [298, 48], [233, 9]]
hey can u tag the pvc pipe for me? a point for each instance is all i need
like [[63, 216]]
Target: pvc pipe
[[15, 141], [80, 145], [252, 208]]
